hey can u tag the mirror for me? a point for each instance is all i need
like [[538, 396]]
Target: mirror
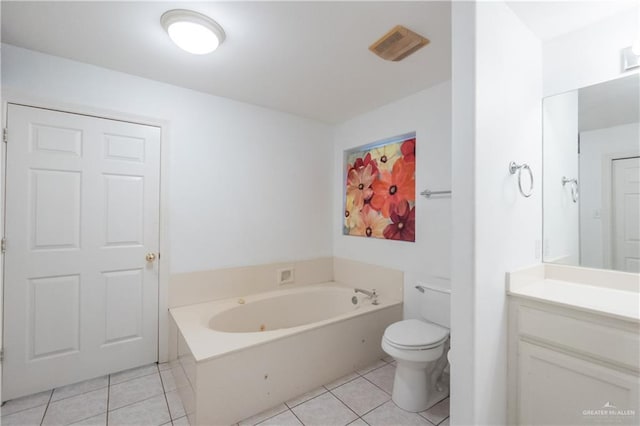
[[591, 176]]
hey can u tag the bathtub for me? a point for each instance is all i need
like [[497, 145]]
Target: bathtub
[[237, 357]]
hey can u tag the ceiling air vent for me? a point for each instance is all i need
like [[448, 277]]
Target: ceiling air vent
[[398, 43]]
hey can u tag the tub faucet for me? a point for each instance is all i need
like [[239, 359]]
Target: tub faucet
[[370, 294]]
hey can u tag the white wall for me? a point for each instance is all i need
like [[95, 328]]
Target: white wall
[[507, 80], [596, 148], [561, 215], [590, 55], [248, 185], [428, 113], [508, 128]]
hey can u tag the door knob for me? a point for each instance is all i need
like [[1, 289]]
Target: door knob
[[150, 257]]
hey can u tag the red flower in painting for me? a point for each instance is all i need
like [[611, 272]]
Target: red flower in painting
[[403, 226], [408, 149], [359, 186], [361, 163], [392, 188]]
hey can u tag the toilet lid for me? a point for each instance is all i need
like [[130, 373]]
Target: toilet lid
[[413, 333]]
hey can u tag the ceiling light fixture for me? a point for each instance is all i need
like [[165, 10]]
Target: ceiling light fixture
[[192, 31]]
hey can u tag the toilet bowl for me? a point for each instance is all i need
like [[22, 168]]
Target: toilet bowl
[[420, 349]]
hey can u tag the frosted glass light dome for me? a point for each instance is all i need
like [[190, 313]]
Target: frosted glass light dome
[[192, 31]]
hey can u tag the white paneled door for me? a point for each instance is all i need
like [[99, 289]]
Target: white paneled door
[[82, 237], [626, 214]]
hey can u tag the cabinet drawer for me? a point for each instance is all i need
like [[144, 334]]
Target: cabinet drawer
[[619, 345]]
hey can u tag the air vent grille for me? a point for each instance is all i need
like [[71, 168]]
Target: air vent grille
[[388, 41], [398, 43]]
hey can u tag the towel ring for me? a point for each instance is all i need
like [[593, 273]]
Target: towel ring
[[513, 167], [575, 190]]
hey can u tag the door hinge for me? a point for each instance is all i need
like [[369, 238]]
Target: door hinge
[[1, 355], [3, 245], [5, 135]]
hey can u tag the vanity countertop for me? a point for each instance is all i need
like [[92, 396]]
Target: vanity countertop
[[536, 284]]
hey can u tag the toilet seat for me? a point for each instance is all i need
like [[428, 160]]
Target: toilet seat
[[415, 335]]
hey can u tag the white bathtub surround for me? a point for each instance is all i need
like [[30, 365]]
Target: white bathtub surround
[[388, 282], [225, 377], [573, 328], [215, 284]]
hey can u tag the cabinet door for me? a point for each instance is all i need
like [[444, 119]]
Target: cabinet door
[[556, 388]]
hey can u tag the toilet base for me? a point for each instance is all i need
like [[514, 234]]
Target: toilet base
[[413, 390]]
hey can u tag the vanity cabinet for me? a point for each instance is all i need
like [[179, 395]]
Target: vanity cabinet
[[570, 367]]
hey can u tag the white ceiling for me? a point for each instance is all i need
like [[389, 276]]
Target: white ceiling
[[608, 104], [549, 19], [306, 58]]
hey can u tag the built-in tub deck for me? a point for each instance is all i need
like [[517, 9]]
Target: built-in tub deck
[[195, 321], [240, 356]]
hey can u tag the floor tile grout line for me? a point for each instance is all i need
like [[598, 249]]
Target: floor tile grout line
[[47, 407], [438, 402], [108, 386], [307, 400], [434, 424], [24, 409], [82, 393], [96, 414], [164, 393], [373, 369], [299, 419], [342, 384], [327, 390], [377, 406], [345, 404], [185, 417], [365, 422], [85, 418], [136, 402], [28, 408], [132, 378], [442, 421], [376, 386], [108, 398], [51, 401], [374, 408], [270, 417]]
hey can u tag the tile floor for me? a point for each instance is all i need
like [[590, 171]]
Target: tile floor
[[142, 396], [147, 396]]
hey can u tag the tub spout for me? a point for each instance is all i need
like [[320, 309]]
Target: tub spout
[[370, 294]]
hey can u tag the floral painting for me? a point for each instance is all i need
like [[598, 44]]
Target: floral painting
[[380, 191]]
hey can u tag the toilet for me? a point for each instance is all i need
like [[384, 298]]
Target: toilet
[[420, 347]]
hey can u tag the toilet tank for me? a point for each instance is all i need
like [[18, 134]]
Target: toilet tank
[[435, 304]]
